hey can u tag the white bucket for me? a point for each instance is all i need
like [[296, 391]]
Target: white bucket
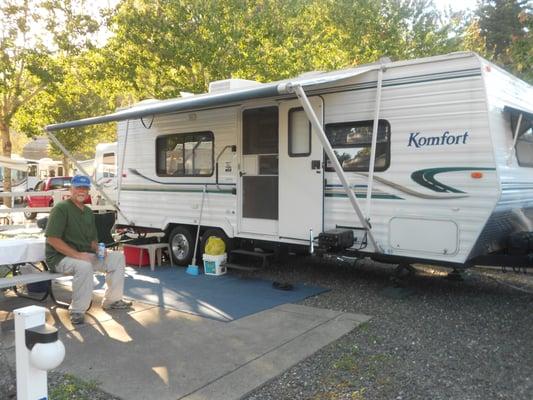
[[214, 265]]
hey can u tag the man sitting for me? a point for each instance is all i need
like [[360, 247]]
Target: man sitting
[[71, 246]]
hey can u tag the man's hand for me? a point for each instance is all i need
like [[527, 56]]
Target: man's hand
[[89, 257]]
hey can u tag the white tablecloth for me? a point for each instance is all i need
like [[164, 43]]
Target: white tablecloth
[[15, 251]]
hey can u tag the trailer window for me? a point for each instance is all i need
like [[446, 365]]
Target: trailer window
[[32, 171], [351, 142], [185, 154], [109, 165], [524, 143]]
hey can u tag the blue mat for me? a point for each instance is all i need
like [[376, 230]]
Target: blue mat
[[224, 298]]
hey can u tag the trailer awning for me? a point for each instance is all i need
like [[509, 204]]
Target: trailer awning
[[517, 111], [219, 99], [13, 163]]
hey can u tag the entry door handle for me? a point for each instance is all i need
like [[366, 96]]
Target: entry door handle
[[241, 174], [315, 164]]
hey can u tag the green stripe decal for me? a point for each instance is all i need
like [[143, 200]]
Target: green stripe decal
[[174, 190], [363, 196], [426, 178]]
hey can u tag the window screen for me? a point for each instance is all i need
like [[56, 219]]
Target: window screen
[[524, 143], [351, 142], [260, 197], [299, 133], [185, 154], [260, 130]]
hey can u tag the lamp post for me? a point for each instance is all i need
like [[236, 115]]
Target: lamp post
[[37, 351]]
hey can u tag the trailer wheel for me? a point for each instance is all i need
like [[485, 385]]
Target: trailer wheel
[[219, 233], [182, 245]]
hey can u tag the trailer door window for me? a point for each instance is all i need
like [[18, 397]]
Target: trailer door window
[[299, 133], [524, 143], [351, 142], [185, 154], [260, 131], [109, 165], [32, 170]]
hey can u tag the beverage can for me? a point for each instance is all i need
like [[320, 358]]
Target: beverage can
[[101, 251]]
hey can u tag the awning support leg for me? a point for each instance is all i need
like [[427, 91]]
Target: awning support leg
[[304, 101], [69, 155]]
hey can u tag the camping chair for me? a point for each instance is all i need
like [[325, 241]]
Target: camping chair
[[104, 225]]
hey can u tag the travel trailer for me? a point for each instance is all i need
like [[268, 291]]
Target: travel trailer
[[19, 172], [102, 169], [26, 173], [427, 160], [104, 172]]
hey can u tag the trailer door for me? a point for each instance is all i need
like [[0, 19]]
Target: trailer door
[[300, 172], [259, 171]]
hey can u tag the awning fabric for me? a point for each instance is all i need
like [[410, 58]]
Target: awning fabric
[[218, 99], [516, 112], [13, 163]]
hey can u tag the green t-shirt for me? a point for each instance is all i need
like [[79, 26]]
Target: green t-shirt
[[74, 226]]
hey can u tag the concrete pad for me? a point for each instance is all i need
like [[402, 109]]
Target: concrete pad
[[166, 354], [151, 352]]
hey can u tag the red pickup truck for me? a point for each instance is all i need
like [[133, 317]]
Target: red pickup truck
[[43, 200]]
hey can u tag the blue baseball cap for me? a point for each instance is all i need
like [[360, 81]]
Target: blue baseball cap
[[80, 181]]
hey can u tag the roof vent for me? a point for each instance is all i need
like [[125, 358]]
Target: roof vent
[[227, 85]]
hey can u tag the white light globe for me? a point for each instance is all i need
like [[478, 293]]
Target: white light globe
[[46, 356]]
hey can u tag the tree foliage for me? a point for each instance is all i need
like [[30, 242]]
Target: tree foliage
[[506, 27], [159, 48], [166, 46]]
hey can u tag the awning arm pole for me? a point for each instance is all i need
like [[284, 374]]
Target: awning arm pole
[[512, 149], [373, 146], [304, 101], [71, 158], [122, 158]]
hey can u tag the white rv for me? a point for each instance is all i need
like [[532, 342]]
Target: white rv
[[104, 172], [427, 160], [19, 172], [25, 174]]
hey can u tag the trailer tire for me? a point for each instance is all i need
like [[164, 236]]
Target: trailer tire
[[219, 233], [181, 245]]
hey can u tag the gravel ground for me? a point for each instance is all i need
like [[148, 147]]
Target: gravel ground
[[429, 338]]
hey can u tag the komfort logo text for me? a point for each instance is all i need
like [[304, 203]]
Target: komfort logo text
[[446, 139]]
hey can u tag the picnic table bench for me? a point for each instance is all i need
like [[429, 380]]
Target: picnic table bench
[[17, 252]]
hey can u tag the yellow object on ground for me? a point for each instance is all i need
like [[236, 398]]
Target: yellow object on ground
[[215, 246]]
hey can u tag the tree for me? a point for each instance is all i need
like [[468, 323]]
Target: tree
[[25, 66], [33, 34], [506, 26], [82, 92], [163, 47]]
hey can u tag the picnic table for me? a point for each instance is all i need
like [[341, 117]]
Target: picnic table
[[17, 252]]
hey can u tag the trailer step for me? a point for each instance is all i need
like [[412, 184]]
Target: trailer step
[[263, 255], [241, 267]]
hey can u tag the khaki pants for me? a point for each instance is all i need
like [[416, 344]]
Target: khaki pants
[[83, 284]]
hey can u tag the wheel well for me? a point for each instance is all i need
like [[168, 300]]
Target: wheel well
[[170, 227], [191, 228]]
